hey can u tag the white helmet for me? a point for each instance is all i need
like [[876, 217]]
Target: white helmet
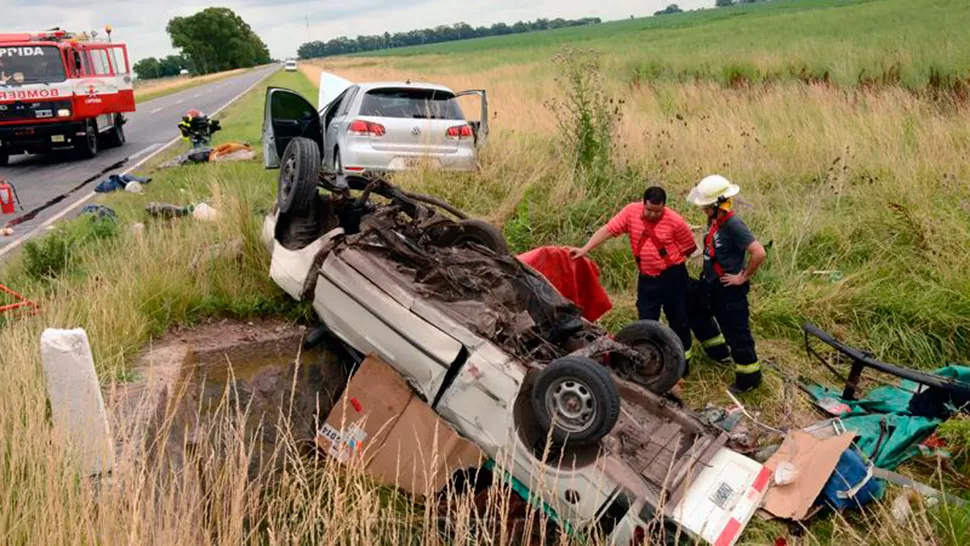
[[712, 188]]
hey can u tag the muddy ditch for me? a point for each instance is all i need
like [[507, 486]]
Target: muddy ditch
[[220, 384]]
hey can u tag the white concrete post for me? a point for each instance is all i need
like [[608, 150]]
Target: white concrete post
[[79, 415]]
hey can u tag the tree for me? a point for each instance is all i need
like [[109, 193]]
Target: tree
[[216, 39], [672, 8], [147, 69], [441, 33]]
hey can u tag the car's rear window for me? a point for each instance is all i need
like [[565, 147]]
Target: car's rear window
[[410, 103]]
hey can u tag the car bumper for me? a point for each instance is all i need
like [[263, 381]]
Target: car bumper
[[359, 158], [40, 136]]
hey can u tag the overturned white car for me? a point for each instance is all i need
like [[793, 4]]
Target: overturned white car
[[498, 353]]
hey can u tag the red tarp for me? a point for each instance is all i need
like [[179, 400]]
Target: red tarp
[[577, 280]]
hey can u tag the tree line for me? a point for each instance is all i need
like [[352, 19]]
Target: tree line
[[441, 33], [212, 40]]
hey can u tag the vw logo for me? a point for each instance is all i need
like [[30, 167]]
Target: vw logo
[[415, 130]]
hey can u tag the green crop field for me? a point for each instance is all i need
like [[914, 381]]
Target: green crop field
[[848, 39]]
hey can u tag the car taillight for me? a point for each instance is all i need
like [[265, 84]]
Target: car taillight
[[459, 132], [360, 127]]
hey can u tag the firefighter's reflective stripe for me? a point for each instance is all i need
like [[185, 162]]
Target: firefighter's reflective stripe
[[715, 341], [747, 368]]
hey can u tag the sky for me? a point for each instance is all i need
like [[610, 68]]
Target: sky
[[285, 24]]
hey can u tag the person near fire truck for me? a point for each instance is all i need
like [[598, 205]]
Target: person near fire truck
[[720, 319]]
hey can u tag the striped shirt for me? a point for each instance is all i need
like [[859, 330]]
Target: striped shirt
[[671, 231]]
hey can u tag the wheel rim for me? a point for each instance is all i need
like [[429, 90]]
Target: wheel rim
[[571, 404], [651, 364], [286, 177]]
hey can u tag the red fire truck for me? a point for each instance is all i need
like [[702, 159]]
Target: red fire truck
[[60, 90]]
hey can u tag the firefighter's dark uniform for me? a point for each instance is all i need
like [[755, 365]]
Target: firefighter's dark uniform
[[719, 314]]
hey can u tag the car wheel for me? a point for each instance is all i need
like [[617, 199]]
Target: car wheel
[[116, 137], [662, 353], [473, 230], [576, 401], [87, 146], [299, 174]]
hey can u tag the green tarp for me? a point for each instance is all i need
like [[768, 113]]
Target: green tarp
[[885, 412]]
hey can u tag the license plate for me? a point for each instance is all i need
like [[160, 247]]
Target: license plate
[[57, 138], [722, 495], [44, 113]]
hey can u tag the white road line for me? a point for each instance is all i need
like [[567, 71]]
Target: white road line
[[50, 221], [159, 109], [180, 101]]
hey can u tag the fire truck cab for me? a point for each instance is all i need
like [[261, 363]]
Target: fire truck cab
[[60, 90]]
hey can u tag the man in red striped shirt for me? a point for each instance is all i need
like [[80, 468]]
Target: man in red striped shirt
[[661, 242]]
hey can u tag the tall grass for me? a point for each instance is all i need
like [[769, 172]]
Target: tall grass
[[872, 182]]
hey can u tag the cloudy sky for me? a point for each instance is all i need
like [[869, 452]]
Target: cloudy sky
[[283, 24]]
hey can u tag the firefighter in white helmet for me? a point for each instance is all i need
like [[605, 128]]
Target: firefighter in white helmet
[[722, 318]]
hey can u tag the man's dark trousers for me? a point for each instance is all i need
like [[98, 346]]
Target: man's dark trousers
[[669, 291]]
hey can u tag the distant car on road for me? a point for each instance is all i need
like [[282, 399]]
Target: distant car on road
[[290, 66], [377, 126]]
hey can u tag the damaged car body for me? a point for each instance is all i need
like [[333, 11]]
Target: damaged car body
[[581, 418], [378, 126]]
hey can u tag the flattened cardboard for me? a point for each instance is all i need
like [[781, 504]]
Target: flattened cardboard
[[381, 394], [421, 451], [815, 461], [402, 440]]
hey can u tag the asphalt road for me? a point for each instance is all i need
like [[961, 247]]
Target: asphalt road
[[42, 178]]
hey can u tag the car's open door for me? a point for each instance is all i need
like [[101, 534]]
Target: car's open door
[[480, 125], [288, 115]]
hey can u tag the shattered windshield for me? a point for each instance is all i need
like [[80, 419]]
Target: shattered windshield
[[411, 103], [31, 64]]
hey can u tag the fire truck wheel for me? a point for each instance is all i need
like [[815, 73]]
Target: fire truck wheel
[[87, 147], [299, 174], [116, 136]]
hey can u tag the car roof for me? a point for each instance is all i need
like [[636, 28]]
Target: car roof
[[368, 86]]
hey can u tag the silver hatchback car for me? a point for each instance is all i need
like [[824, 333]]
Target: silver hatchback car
[[378, 126]]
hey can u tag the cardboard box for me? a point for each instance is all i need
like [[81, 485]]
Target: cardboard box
[[814, 460], [396, 436]]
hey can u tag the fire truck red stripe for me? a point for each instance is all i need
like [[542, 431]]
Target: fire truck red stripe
[[729, 533], [762, 480]]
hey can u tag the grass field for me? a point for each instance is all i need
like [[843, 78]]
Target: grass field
[[152, 89], [871, 181], [851, 40]]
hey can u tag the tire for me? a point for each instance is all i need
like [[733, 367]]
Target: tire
[[475, 231], [661, 346], [115, 138], [4, 159], [581, 380], [87, 147], [299, 173]]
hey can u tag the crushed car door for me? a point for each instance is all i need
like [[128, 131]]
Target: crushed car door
[[481, 125], [288, 115]]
